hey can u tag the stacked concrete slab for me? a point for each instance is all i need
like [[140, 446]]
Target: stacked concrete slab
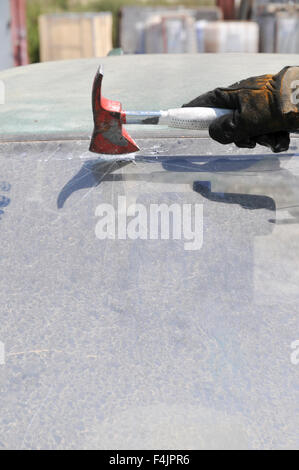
[[228, 36], [75, 35], [279, 27], [171, 33], [152, 29]]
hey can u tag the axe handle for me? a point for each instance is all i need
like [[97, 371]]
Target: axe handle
[[182, 118]]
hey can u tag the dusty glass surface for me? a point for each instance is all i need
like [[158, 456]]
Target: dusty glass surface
[[142, 343]]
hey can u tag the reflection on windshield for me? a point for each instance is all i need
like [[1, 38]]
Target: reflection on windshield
[[263, 182]]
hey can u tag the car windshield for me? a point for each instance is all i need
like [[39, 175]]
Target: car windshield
[[154, 291]]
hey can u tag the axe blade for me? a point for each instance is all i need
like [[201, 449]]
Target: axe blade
[[109, 136]]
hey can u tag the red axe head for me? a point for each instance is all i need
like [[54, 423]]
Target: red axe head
[[108, 136]]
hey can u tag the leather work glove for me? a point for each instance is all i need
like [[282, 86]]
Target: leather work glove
[[265, 110]]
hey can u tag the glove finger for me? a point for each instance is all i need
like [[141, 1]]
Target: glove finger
[[218, 98], [248, 143], [229, 129], [276, 141], [223, 129]]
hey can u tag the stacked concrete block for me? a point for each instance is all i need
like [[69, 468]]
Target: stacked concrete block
[[75, 35], [228, 36], [287, 36], [134, 37], [172, 33], [279, 26]]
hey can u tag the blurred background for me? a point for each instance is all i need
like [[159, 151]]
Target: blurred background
[[42, 30]]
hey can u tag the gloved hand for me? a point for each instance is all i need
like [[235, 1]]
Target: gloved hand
[[264, 110]]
